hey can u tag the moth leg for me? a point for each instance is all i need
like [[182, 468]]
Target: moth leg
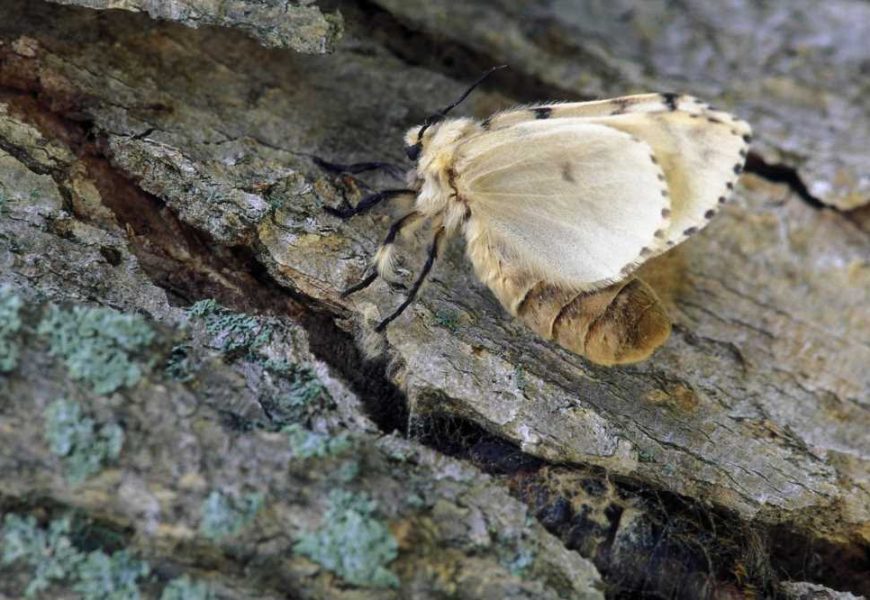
[[367, 203], [430, 260], [391, 169], [383, 258]]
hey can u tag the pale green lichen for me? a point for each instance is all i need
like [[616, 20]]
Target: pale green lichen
[[300, 401], [305, 443], [184, 588], [224, 515], [178, 366], [347, 471], [10, 326], [54, 559], [233, 332], [448, 319], [98, 345], [520, 379], [48, 552], [516, 550], [520, 562], [352, 543], [104, 576], [84, 447]]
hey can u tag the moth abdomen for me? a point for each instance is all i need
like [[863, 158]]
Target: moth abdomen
[[622, 323]]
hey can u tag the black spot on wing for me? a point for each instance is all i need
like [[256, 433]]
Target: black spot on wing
[[568, 172], [486, 123], [670, 100], [621, 106], [542, 112]]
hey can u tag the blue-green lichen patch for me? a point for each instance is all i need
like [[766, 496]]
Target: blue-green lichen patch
[[84, 446], [225, 515], [110, 576], [10, 327], [53, 559], [352, 543], [305, 443], [48, 552], [185, 588], [302, 395], [232, 332], [100, 346], [179, 365]]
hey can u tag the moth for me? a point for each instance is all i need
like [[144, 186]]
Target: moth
[[560, 203]]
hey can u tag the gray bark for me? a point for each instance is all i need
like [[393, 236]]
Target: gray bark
[[146, 165]]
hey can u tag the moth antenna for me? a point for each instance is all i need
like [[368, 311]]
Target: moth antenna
[[389, 239], [439, 115], [430, 260], [367, 203]]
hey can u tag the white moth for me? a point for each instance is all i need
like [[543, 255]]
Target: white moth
[[559, 203]]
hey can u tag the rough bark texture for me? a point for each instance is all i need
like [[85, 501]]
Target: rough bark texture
[[145, 166], [274, 23]]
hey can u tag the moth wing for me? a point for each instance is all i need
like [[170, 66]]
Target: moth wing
[[638, 103], [701, 151], [574, 203]]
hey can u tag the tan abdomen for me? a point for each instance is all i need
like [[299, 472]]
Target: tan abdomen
[[622, 323]]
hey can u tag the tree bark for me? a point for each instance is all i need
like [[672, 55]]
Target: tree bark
[[146, 166]]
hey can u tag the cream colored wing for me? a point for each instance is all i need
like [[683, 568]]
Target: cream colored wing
[[574, 203], [700, 150]]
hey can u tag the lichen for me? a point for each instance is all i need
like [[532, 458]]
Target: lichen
[[53, 558], [520, 379], [351, 542], [178, 366], [99, 345], [306, 443], [299, 402], [184, 588], [104, 576], [10, 326], [233, 332], [84, 447], [224, 515], [448, 319], [48, 552]]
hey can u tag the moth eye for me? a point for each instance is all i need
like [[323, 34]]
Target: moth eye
[[413, 151]]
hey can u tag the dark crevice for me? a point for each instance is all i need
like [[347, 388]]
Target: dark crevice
[[779, 173], [644, 540], [158, 238]]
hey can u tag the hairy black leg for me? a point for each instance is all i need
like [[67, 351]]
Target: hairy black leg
[[390, 238], [391, 169], [369, 279], [430, 260], [368, 202]]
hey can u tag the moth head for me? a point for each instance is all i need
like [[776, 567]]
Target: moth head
[[418, 137], [429, 138]]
